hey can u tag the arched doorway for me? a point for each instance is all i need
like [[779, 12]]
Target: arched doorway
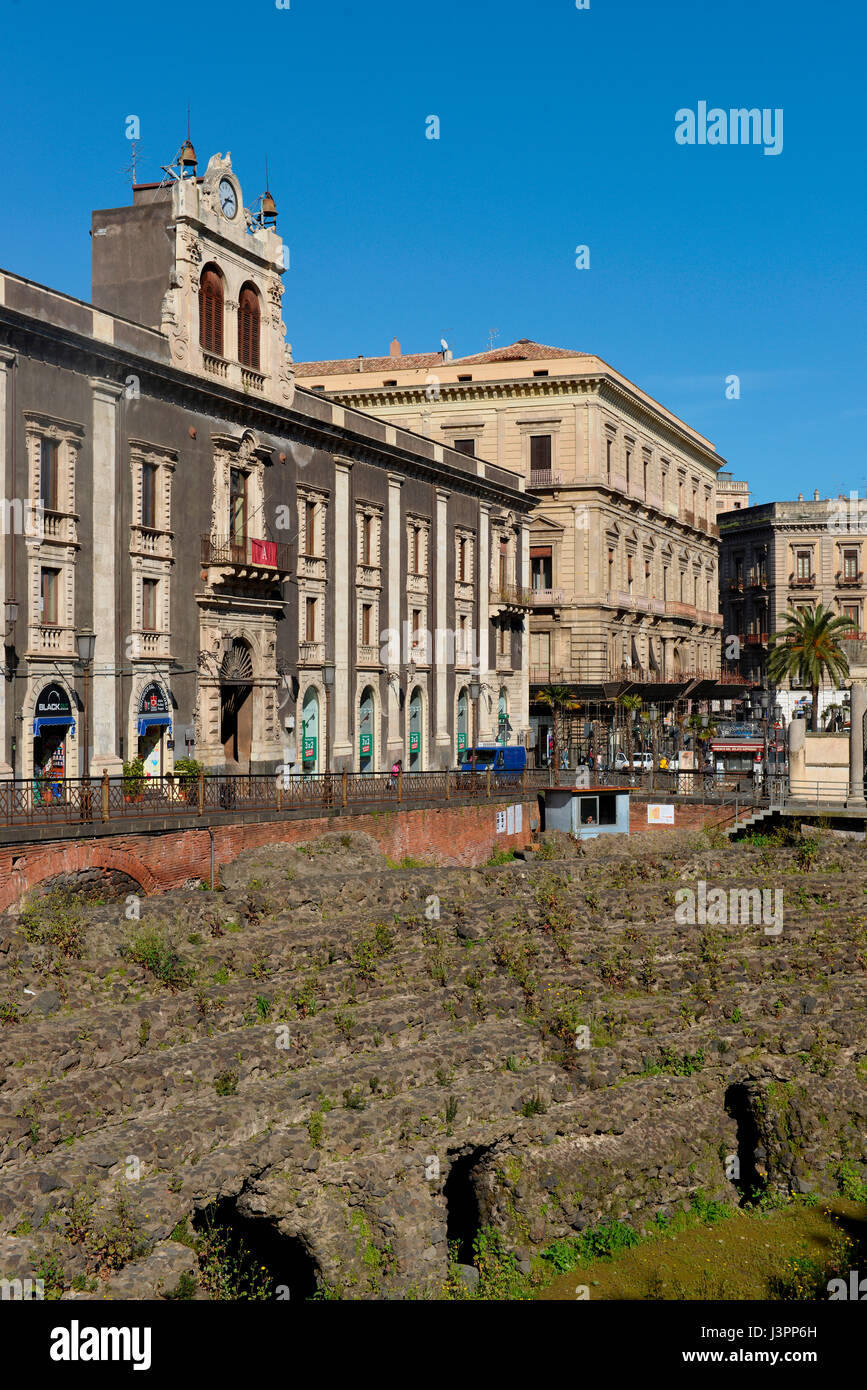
[[414, 732], [366, 731], [53, 729], [463, 723], [236, 705], [310, 731], [154, 730]]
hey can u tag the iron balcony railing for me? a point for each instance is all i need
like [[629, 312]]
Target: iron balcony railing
[[512, 595], [247, 552]]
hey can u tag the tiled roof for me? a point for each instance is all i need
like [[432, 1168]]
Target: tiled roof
[[341, 366], [524, 350]]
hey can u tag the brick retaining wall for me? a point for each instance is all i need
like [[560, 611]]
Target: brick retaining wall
[[159, 860]]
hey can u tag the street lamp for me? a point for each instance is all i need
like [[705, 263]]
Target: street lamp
[[475, 693], [10, 612], [328, 682], [85, 641]]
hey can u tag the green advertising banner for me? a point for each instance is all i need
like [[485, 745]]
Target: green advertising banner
[[462, 742], [365, 744], [308, 750], [414, 742]]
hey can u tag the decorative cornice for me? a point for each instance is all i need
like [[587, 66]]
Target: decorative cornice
[[87, 356], [602, 386]]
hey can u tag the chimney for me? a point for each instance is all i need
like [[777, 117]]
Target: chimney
[[800, 496], [361, 366], [394, 349], [816, 495]]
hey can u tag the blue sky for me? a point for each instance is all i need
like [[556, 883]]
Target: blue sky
[[556, 129]]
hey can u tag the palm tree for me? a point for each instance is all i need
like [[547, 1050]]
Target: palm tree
[[630, 704], [807, 651], [702, 732], [558, 698]]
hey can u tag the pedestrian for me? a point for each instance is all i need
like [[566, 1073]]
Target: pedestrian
[[395, 773]]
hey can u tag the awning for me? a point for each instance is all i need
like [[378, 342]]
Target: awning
[[148, 720], [50, 719]]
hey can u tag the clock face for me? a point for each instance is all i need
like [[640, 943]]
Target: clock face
[[228, 198]]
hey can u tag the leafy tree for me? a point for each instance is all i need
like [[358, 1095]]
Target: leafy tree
[[558, 698], [702, 733], [807, 651]]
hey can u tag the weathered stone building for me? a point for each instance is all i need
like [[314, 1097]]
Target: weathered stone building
[[782, 556], [623, 546], [271, 577]]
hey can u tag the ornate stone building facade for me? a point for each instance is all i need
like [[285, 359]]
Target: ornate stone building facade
[[782, 556], [271, 579], [623, 549]]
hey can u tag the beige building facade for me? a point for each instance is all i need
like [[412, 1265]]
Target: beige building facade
[[622, 553], [782, 556], [732, 495]]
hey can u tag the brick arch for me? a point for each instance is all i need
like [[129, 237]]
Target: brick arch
[[47, 863]]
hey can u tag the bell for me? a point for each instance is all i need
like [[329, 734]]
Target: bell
[[188, 155], [269, 210]]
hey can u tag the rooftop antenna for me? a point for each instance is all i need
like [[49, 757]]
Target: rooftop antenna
[[493, 335], [135, 154]]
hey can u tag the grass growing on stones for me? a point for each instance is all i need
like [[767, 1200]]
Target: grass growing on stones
[[790, 1253], [151, 949], [109, 1230], [54, 920], [608, 1095]]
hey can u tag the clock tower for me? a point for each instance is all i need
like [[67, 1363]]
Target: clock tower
[[190, 260]]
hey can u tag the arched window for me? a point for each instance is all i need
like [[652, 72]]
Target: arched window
[[248, 328], [211, 311]]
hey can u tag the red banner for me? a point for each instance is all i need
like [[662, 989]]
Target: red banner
[[263, 552]]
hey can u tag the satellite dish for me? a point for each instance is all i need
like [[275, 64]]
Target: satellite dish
[[444, 345]]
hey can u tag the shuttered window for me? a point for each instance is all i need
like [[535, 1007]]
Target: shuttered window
[[211, 312], [248, 328]]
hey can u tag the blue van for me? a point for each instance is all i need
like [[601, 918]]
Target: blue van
[[498, 757]]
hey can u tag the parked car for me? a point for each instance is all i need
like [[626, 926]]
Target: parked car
[[641, 762]]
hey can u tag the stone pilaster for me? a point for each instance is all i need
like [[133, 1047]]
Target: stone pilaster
[[797, 755], [858, 697], [442, 649], [523, 722], [341, 747], [484, 732], [106, 657], [393, 738]]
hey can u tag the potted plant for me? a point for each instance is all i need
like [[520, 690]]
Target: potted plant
[[187, 772], [133, 779]]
